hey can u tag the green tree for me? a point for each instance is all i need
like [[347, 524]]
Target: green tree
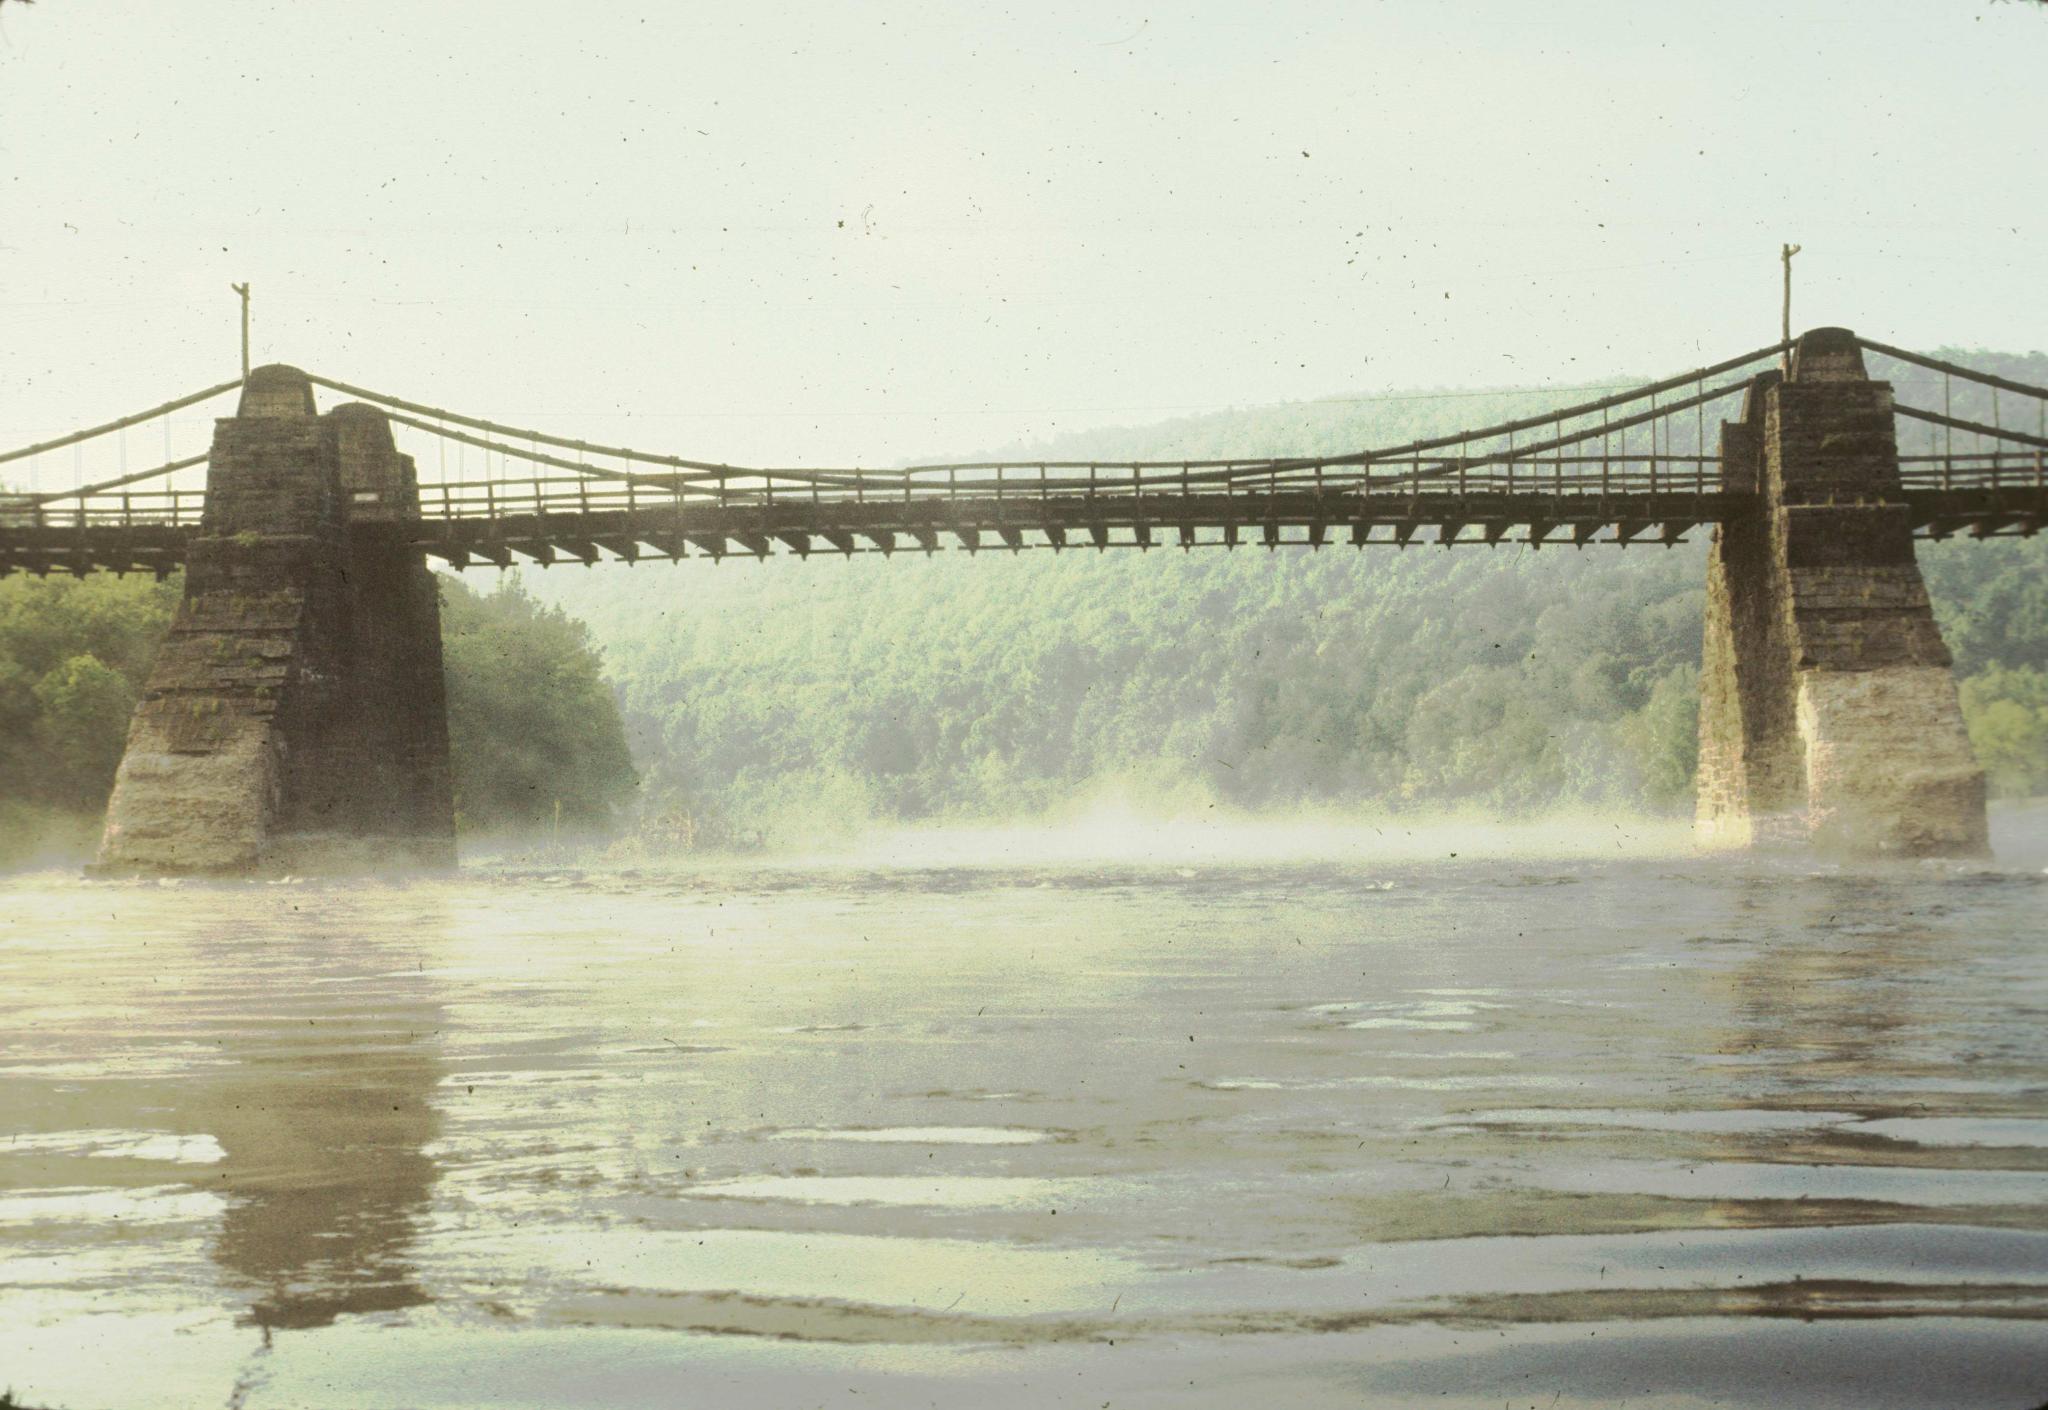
[[533, 729], [2006, 710], [531, 721], [1664, 739], [81, 725], [74, 654]]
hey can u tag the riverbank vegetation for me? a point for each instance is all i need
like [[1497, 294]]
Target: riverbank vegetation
[[534, 731]]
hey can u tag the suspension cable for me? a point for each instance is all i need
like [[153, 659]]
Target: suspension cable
[[1239, 466], [677, 483], [1957, 423], [701, 472], [1413, 448], [477, 423], [1956, 369], [50, 496], [76, 436]]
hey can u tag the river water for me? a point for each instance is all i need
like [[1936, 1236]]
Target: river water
[[1563, 1119]]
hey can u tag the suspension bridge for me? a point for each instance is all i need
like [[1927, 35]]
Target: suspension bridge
[[297, 709], [1626, 467]]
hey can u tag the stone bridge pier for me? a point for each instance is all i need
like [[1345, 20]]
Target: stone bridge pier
[[1828, 709], [295, 718]]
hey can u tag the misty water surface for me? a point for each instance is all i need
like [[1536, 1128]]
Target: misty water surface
[[1575, 1121]]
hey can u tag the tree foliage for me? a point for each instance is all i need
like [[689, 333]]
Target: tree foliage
[[2007, 712], [74, 654], [533, 729], [531, 721]]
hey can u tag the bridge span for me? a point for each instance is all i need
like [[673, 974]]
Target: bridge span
[[296, 718]]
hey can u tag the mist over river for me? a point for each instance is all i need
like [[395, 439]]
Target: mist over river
[[1558, 1117]]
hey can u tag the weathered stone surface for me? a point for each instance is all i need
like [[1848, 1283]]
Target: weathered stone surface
[[281, 611], [194, 803], [1828, 712], [1889, 767], [295, 717]]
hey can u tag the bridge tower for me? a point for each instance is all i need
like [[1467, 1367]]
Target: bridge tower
[[1828, 709], [295, 718]]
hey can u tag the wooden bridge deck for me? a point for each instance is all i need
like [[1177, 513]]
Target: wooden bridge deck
[[530, 528]]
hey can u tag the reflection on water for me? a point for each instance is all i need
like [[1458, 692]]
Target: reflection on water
[[271, 1054], [1023, 1135], [324, 1122], [1834, 984]]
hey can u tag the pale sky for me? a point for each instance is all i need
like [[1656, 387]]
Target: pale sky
[[847, 232]]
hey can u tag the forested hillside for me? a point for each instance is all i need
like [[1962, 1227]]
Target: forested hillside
[[792, 697]]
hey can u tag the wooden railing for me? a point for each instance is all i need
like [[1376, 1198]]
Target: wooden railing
[[122, 509], [1589, 476], [1977, 470]]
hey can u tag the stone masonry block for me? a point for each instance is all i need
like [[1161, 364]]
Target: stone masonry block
[[1828, 712]]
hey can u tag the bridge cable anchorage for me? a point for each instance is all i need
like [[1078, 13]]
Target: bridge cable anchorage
[[91, 431]]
